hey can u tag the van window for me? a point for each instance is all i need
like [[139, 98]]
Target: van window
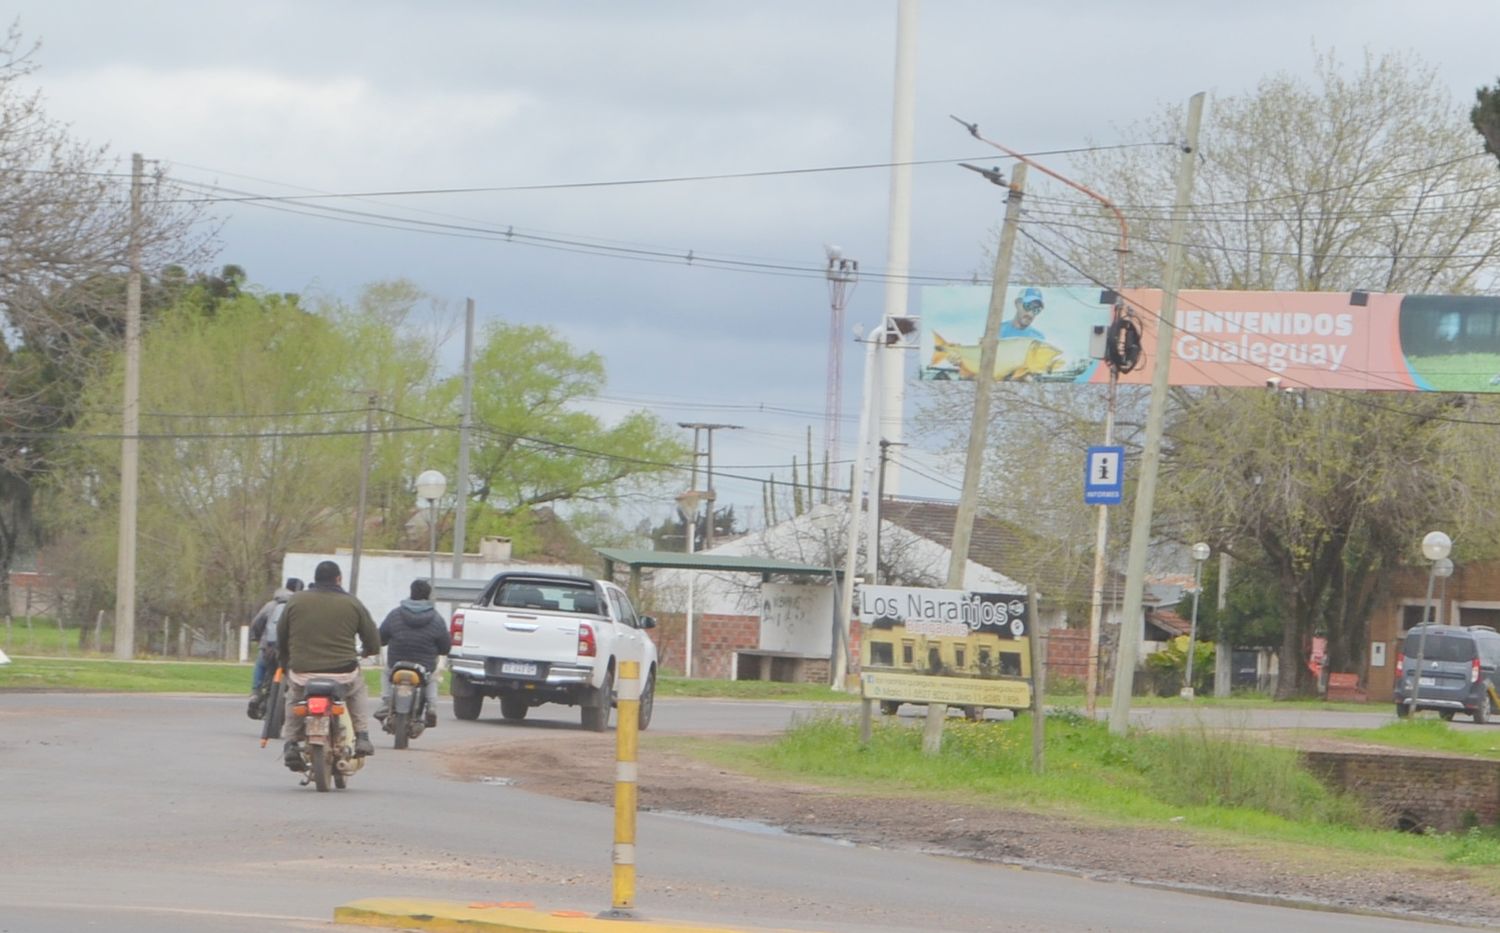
[[1457, 646]]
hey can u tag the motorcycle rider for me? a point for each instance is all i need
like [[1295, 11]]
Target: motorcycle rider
[[263, 632], [414, 632], [316, 638]]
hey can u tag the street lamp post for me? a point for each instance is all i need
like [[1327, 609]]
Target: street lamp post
[[430, 486], [1200, 554], [1435, 547]]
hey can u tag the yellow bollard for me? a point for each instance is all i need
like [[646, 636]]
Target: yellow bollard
[[627, 734]]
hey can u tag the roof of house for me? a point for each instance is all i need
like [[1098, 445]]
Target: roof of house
[[1007, 548], [1169, 622], [709, 560]]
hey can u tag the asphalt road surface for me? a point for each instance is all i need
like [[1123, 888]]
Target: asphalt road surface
[[152, 813]]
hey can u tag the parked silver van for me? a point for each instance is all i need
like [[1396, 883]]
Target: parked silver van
[[1460, 671]]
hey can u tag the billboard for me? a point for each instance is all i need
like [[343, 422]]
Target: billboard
[[1323, 340], [921, 645]]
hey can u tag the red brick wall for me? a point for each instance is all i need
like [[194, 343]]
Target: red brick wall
[[1067, 653], [715, 640], [1423, 791], [1475, 582]]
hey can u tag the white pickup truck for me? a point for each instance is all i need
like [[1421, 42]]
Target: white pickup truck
[[535, 638]]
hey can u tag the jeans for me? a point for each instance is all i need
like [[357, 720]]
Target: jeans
[[430, 690], [265, 666], [356, 698]]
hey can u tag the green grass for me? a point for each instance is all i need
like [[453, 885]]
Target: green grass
[[1226, 785], [748, 690], [133, 676], [1250, 700], [38, 636], [1430, 735]]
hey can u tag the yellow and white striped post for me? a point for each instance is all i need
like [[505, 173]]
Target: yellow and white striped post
[[627, 735]]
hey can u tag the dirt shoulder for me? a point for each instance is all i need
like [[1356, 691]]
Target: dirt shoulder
[[580, 766]]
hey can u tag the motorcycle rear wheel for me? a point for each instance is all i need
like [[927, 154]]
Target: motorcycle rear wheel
[[322, 767], [402, 727]]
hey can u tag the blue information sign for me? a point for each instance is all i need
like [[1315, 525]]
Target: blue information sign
[[1104, 476]]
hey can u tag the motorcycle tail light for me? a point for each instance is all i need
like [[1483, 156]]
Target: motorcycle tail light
[[299, 709], [587, 646], [317, 706], [336, 709], [1474, 671], [406, 677], [456, 629]]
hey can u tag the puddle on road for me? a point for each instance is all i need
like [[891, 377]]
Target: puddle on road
[[753, 826]]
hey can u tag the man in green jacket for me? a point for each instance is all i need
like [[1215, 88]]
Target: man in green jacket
[[316, 638]]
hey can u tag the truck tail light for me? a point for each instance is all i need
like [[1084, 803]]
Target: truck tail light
[[456, 629], [587, 646], [1474, 671]]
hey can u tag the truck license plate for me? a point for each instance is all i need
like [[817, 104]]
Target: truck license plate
[[1427, 681], [519, 668]]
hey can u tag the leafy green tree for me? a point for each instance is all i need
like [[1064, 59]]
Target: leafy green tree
[[534, 444]]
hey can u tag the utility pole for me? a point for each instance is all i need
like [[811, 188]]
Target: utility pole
[[709, 429], [465, 426], [984, 380], [130, 472], [364, 484], [879, 505], [1145, 497], [1224, 651], [842, 274], [898, 230]]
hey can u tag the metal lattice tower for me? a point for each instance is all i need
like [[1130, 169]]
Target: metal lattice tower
[[842, 274]]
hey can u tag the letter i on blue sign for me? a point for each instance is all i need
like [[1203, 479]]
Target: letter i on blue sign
[[1104, 476]]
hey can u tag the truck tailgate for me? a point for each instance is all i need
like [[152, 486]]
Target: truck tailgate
[[547, 637]]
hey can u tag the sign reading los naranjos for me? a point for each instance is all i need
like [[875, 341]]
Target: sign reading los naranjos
[[1324, 340], [944, 646]]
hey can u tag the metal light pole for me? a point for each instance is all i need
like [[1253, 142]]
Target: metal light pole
[[430, 486], [1435, 547], [1200, 554]]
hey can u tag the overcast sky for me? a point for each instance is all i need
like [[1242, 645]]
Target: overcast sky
[[284, 97]]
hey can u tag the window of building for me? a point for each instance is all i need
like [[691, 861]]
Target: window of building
[[1476, 615], [1412, 615], [1010, 664], [958, 656], [882, 654], [908, 653]]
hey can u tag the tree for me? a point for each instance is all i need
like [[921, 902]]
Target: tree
[[1486, 117], [534, 444], [64, 208], [1361, 178]]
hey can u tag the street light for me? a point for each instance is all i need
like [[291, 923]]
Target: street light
[[1442, 569], [1200, 554], [1435, 547], [430, 486]]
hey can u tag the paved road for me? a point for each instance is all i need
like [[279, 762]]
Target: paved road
[[146, 813]]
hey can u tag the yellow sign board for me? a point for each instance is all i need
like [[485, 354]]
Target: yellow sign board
[[955, 691]]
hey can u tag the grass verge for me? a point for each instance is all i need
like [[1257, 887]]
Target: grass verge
[[133, 676], [1229, 786]]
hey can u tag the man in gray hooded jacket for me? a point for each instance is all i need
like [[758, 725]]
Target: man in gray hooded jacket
[[414, 632]]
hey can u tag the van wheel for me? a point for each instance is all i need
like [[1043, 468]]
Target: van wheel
[[1446, 715], [1402, 710], [1482, 711]]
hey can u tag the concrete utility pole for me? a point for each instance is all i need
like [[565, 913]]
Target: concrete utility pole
[[465, 426], [867, 419], [130, 428], [371, 398], [1224, 651], [1145, 497], [984, 380], [898, 232], [709, 429]]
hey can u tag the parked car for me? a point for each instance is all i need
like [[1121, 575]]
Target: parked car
[[1460, 671]]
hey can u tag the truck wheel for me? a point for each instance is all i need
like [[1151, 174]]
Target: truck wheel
[[467, 706], [648, 701], [514, 707], [595, 711]]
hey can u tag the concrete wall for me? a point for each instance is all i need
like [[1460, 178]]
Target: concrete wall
[[1446, 794]]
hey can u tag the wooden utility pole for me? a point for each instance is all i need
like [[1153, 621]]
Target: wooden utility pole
[[130, 429], [1145, 497], [371, 398], [984, 381], [465, 427]]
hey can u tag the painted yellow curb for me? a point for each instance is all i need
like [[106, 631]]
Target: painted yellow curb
[[409, 913]]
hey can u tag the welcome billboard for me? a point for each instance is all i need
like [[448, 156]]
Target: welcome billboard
[[1323, 340]]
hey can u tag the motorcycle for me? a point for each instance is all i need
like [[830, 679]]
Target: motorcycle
[[328, 754], [408, 711]]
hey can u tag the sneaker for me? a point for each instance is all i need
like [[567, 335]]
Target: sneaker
[[363, 748], [430, 719], [291, 756]]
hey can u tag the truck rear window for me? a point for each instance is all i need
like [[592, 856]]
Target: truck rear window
[[1444, 647], [542, 594]]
